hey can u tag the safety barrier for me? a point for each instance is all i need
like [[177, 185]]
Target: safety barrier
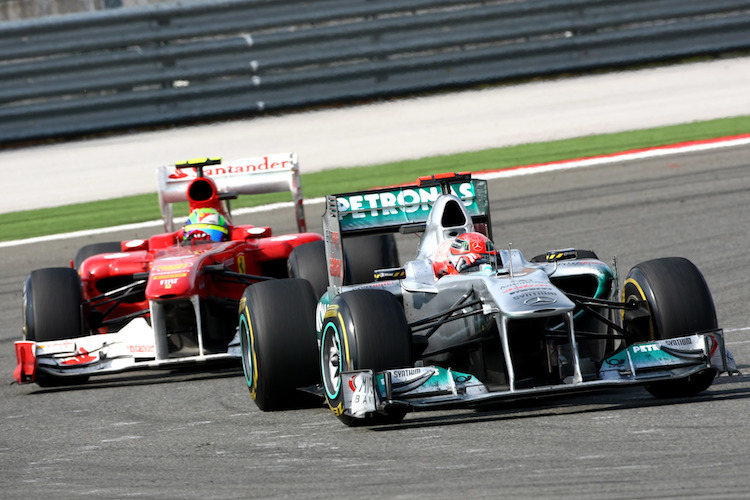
[[174, 63]]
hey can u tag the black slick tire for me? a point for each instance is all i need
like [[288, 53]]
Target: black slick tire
[[92, 249], [362, 329], [678, 303], [277, 338], [365, 254], [308, 262], [52, 311]]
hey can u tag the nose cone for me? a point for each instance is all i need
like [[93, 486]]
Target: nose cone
[[529, 295]]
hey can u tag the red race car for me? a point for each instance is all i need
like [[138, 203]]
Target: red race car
[[170, 300]]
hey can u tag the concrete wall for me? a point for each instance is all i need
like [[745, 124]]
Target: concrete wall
[[13, 10]]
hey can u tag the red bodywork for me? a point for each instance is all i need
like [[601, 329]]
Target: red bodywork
[[178, 270], [187, 291]]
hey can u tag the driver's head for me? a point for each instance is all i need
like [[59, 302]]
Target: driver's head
[[205, 224], [469, 251]]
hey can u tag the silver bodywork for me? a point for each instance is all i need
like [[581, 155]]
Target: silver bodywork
[[522, 316]]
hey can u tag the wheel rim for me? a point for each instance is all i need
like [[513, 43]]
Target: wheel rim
[[249, 365], [331, 361]]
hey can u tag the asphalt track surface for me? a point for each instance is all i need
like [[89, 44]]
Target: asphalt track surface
[[539, 111], [197, 435]]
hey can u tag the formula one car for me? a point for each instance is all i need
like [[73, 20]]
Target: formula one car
[[166, 301], [466, 324]]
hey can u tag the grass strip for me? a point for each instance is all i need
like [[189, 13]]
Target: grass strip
[[141, 208]]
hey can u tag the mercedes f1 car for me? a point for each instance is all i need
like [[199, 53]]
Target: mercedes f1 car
[[466, 324], [166, 301]]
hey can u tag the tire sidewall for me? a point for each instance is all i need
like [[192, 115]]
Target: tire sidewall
[[248, 348], [368, 330], [338, 332]]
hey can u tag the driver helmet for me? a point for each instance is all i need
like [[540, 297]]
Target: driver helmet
[[205, 224], [468, 252]]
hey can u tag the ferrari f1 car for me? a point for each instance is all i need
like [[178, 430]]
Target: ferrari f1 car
[[168, 300], [465, 324]]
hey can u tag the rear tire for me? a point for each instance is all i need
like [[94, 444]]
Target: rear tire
[[363, 329], [95, 249], [52, 311], [308, 262], [365, 254], [277, 338], [678, 303]]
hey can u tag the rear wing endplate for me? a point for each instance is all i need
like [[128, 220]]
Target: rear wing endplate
[[257, 175]]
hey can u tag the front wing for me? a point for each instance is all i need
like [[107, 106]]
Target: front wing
[[132, 348], [431, 387]]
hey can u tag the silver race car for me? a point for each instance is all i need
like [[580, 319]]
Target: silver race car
[[466, 323]]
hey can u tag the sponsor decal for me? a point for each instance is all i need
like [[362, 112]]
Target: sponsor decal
[[135, 349], [173, 267], [335, 267], [646, 348], [407, 373], [243, 166], [402, 200], [61, 345], [333, 237], [398, 206], [540, 301], [168, 283], [241, 263], [363, 397], [409, 379], [337, 410], [512, 289], [168, 276], [679, 342]]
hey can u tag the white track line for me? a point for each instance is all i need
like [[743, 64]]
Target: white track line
[[675, 149]]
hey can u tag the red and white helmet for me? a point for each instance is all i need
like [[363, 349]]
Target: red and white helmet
[[466, 253]]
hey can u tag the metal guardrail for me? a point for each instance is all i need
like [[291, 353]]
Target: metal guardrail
[[171, 63]]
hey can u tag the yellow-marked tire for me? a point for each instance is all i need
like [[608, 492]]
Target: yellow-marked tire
[[277, 339], [362, 329], [675, 302], [52, 311]]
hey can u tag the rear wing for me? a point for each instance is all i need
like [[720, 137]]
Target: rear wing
[[403, 209], [257, 175]]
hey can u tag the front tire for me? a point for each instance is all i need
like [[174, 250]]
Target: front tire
[[52, 311], [277, 338], [363, 329], [678, 303]]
